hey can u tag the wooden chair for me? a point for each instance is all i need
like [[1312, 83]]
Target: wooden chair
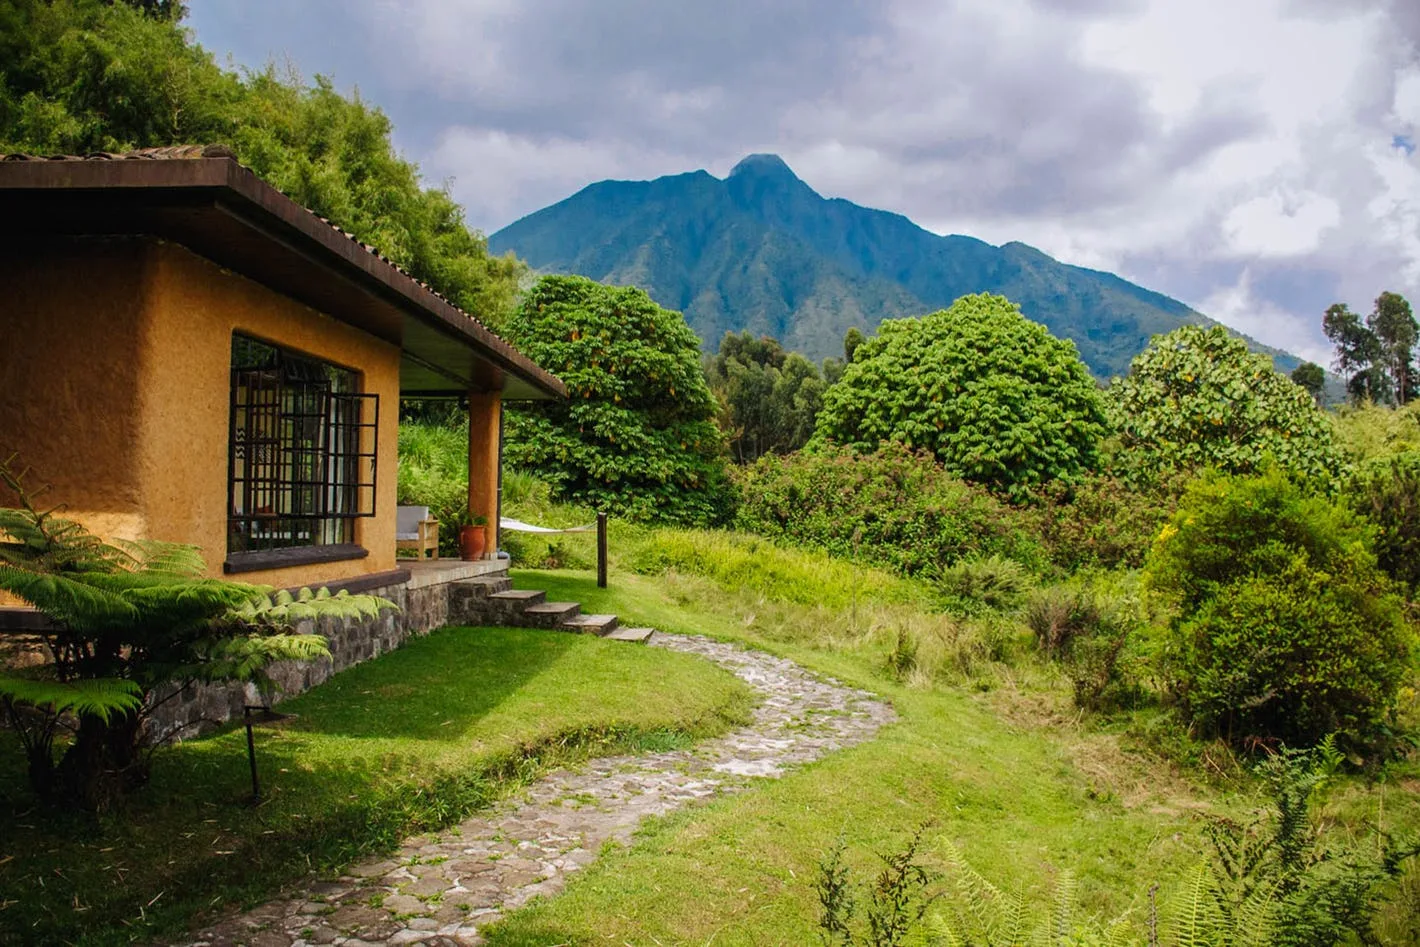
[[413, 529]]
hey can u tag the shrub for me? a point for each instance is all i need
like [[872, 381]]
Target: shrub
[[1104, 521], [1089, 630], [1198, 398], [1286, 628], [1368, 431], [1058, 615], [992, 583], [1387, 492], [991, 395], [892, 507], [637, 436]]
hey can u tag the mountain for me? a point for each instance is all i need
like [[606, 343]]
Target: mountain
[[761, 250]]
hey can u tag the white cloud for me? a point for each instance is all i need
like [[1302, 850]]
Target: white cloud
[[1177, 143], [1238, 306], [500, 176], [1278, 224]]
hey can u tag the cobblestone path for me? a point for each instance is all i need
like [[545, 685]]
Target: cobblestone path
[[441, 889]]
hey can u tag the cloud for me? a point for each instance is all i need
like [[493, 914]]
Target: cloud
[[1247, 158], [1280, 224], [1238, 305]]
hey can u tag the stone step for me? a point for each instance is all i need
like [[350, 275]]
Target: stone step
[[550, 614], [633, 635], [591, 624], [524, 597], [468, 598], [490, 584]]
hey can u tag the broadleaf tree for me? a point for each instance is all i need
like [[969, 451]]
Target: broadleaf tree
[[636, 436], [769, 398], [1376, 356], [1311, 377], [992, 395], [1197, 398]]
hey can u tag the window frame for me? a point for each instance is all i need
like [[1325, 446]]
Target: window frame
[[303, 440]]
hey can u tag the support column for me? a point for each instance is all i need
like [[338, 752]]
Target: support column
[[485, 410]]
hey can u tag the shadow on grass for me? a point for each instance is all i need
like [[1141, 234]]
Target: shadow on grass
[[437, 691]]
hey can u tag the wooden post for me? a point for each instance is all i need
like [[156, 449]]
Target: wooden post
[[485, 411], [601, 550]]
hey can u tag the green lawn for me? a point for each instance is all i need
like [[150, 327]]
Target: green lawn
[[1002, 768], [411, 741]]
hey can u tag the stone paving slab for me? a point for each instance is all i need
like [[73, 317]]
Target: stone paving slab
[[442, 889]]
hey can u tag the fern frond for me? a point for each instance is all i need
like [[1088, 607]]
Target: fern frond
[[94, 697], [179, 560], [1063, 910], [72, 600], [246, 657], [283, 609], [1120, 931], [1196, 919], [1254, 922], [943, 932]]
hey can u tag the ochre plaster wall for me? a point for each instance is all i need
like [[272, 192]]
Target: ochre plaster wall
[[193, 307], [70, 359]]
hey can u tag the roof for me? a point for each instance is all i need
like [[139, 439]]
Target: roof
[[201, 197]]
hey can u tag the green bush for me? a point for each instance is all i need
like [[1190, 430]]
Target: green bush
[[1286, 629], [636, 438], [1387, 492], [1197, 398], [892, 507], [1103, 521], [1368, 431], [1091, 628], [993, 396], [991, 584]]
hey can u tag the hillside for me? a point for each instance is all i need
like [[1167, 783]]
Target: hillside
[[761, 250]]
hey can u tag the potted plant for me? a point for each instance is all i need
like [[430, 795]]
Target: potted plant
[[473, 534]]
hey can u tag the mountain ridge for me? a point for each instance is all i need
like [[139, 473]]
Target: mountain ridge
[[761, 250]]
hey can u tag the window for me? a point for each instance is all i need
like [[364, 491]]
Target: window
[[302, 452]]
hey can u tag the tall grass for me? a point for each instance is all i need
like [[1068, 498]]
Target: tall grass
[[752, 564], [890, 620]]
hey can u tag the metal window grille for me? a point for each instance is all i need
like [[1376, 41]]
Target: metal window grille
[[302, 448]]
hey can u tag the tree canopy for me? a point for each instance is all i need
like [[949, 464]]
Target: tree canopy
[[1311, 377], [81, 76], [769, 398], [637, 435], [1376, 356], [993, 396], [1198, 398]]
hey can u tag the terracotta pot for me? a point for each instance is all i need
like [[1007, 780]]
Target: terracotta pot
[[472, 541]]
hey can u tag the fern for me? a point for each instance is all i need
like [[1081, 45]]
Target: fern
[[98, 697], [126, 619], [1197, 920]]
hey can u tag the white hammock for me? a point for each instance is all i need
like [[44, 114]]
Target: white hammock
[[518, 526]]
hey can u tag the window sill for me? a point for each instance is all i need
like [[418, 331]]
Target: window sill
[[296, 556]]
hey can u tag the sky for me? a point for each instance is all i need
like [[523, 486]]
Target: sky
[[1255, 159]]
